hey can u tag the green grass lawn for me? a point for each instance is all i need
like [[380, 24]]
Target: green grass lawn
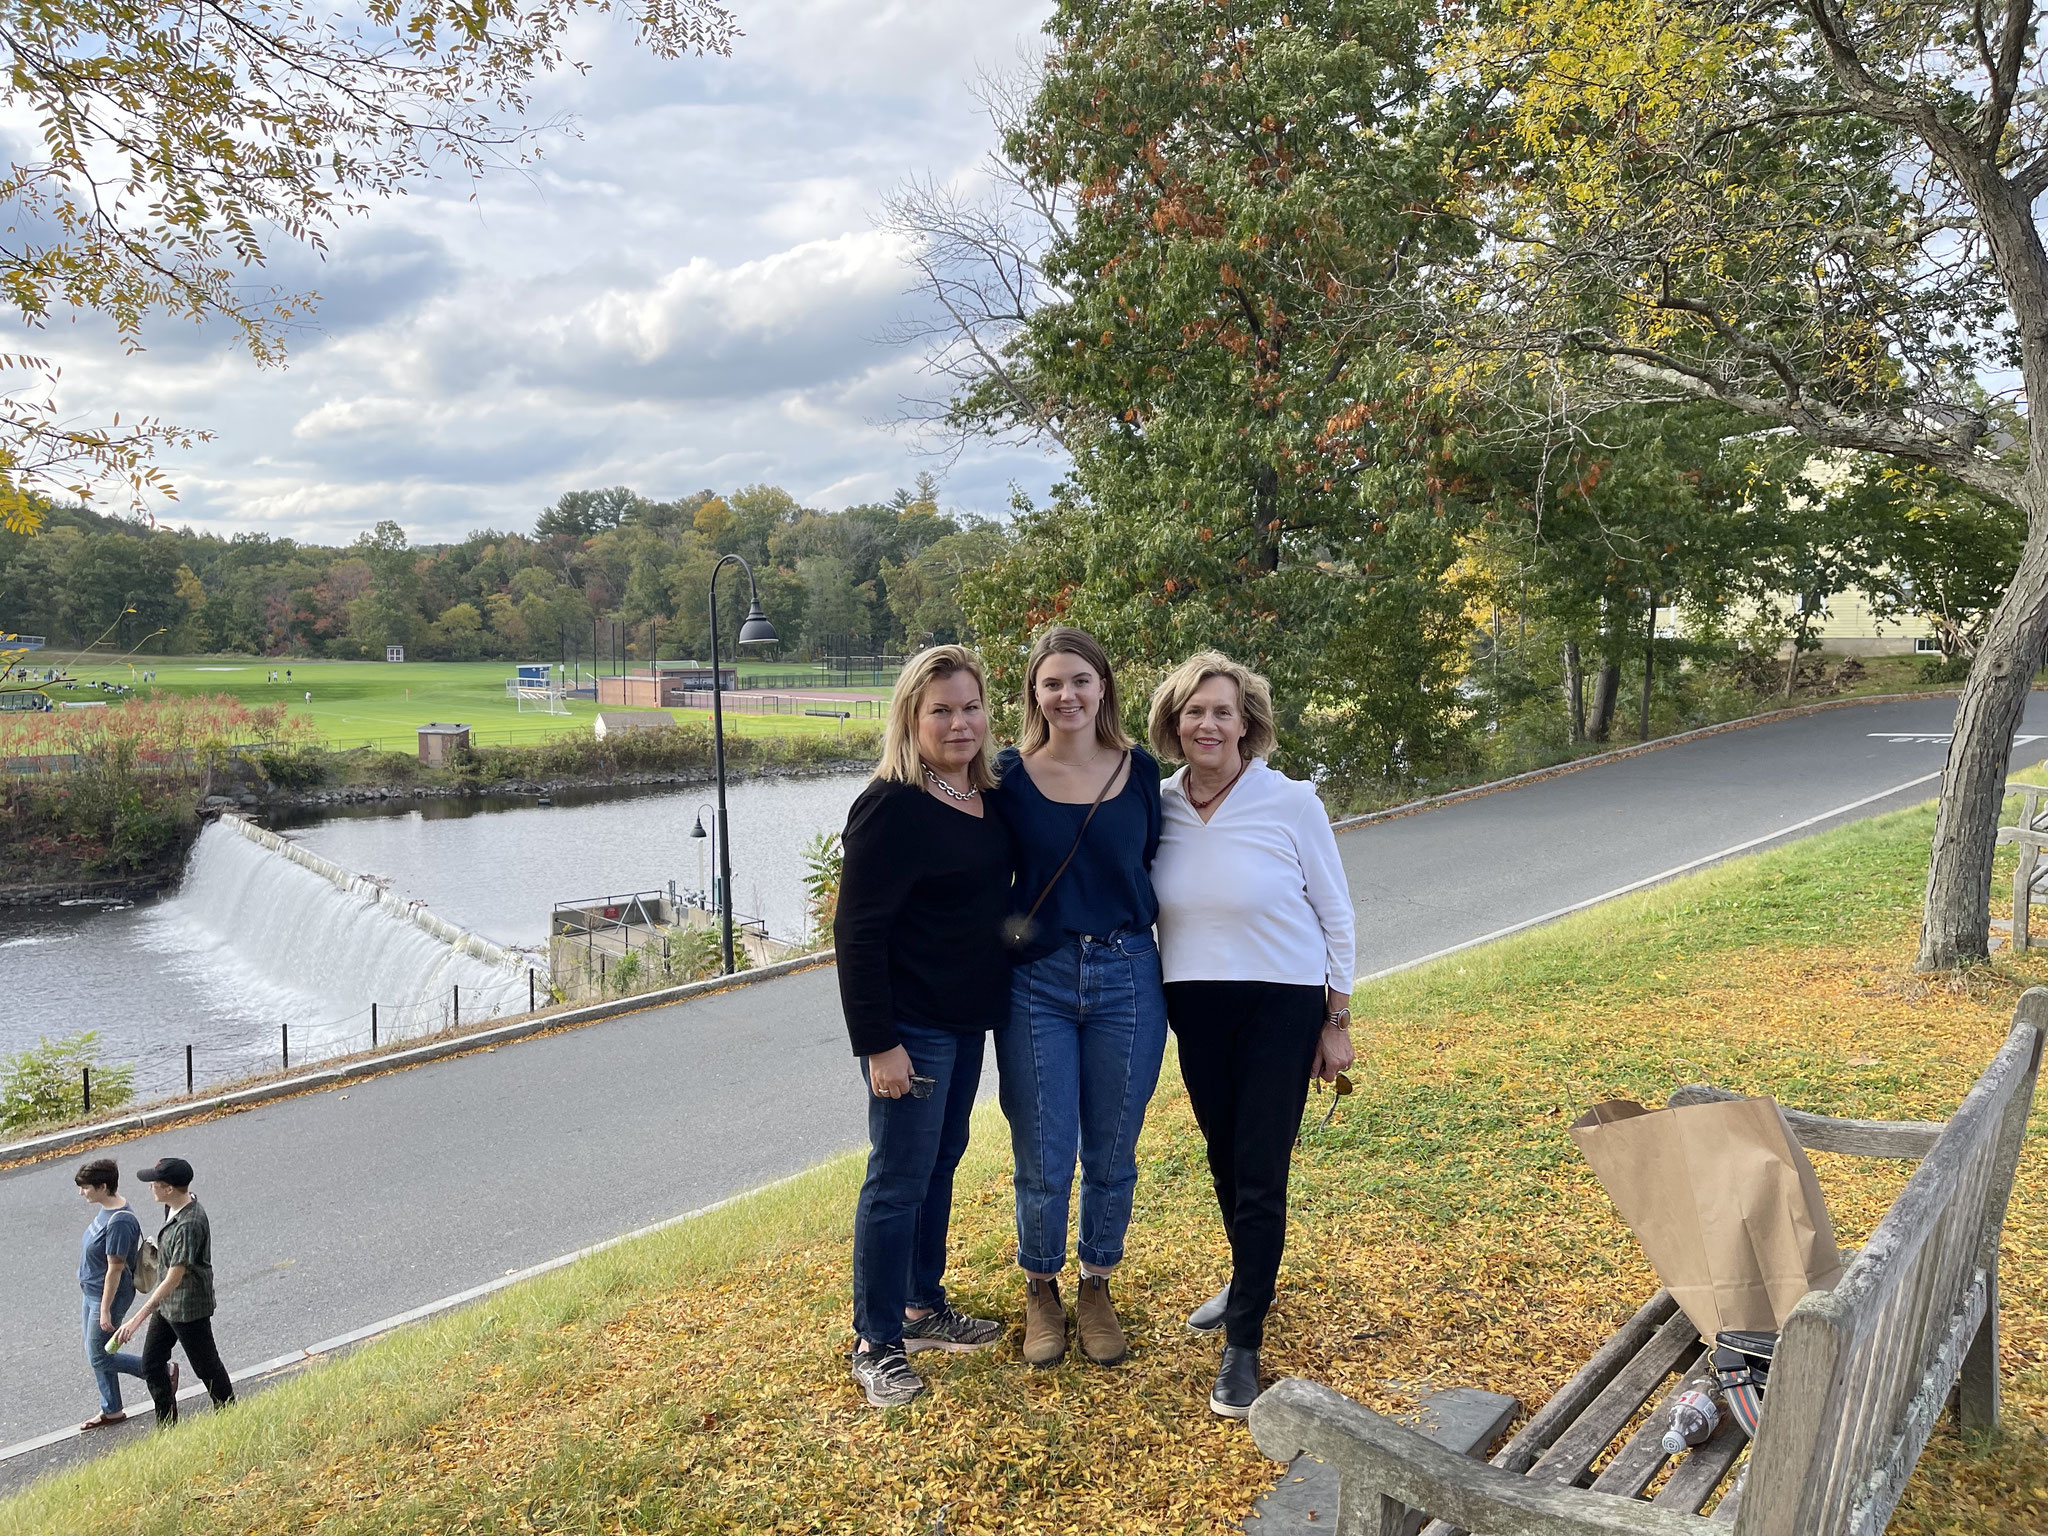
[[382, 704], [1443, 1231]]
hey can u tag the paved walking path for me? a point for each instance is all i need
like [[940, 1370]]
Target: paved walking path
[[338, 1209]]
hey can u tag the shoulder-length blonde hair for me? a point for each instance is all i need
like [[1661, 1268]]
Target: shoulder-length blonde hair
[[1063, 640], [1254, 698], [901, 762]]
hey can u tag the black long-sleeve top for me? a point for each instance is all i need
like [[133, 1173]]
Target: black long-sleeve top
[[919, 933]]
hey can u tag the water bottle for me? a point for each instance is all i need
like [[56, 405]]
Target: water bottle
[[1694, 1417]]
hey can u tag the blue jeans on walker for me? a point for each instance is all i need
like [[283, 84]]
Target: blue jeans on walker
[[1078, 1061], [107, 1370], [906, 1201]]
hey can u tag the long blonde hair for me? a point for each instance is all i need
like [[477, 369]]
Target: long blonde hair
[[901, 762], [1064, 640]]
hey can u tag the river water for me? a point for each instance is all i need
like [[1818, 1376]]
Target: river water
[[251, 951]]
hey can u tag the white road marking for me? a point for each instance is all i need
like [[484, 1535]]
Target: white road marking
[[1931, 738], [1649, 880]]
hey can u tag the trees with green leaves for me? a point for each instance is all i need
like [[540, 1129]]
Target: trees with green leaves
[[1817, 212], [1245, 472]]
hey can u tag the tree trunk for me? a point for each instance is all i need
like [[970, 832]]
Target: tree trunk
[[1266, 519], [1606, 684], [1574, 692], [1955, 926]]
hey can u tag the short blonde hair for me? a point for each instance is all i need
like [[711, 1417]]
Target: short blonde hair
[[1064, 640], [1254, 698], [901, 762]]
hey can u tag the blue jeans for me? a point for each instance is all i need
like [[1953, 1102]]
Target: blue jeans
[[1079, 1060], [108, 1369], [906, 1201]]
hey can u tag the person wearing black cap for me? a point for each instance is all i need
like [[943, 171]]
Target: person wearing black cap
[[180, 1309]]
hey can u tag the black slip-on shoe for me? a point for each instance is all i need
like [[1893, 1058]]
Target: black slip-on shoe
[[1237, 1383], [1208, 1317]]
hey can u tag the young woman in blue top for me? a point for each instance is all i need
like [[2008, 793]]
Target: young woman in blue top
[[106, 1274], [1080, 1054]]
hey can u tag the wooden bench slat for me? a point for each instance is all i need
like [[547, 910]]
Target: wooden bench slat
[[1827, 1133], [1693, 1481], [1629, 1471], [1570, 1400], [1729, 1510], [1673, 1348]]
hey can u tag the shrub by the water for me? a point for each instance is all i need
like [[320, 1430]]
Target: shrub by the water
[[46, 1083], [824, 864], [672, 749], [295, 766]]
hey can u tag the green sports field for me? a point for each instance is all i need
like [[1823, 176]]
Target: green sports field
[[384, 703]]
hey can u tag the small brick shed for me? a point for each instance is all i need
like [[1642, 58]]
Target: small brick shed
[[439, 743]]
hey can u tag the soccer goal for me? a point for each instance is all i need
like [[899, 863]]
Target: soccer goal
[[545, 700]]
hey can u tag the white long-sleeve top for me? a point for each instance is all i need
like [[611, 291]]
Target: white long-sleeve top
[[1258, 892]]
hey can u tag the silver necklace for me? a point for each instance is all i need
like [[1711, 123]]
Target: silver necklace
[[963, 797]]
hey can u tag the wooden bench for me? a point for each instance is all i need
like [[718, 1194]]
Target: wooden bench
[[1860, 1375], [2030, 875]]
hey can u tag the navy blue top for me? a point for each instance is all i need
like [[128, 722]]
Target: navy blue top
[[1109, 885]]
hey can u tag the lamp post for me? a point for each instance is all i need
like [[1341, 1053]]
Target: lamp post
[[754, 630], [698, 832]]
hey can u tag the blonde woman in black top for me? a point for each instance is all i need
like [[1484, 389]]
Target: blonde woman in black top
[[923, 977]]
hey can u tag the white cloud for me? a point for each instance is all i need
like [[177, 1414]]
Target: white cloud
[[706, 308], [688, 293]]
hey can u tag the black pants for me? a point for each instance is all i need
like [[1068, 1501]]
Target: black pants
[[1246, 1051], [197, 1339]]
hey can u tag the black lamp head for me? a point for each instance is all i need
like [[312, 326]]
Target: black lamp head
[[698, 830], [755, 629]]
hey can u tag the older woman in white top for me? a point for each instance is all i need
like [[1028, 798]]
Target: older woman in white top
[[1255, 940]]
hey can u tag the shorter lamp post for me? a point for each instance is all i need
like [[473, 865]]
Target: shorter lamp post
[[698, 832], [754, 630]]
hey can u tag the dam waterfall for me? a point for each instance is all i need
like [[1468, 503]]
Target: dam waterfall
[[280, 934]]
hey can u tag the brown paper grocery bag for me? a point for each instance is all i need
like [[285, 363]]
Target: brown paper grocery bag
[[1724, 1202]]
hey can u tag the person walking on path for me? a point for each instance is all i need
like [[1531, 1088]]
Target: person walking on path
[[1079, 1056], [1256, 938], [180, 1310], [106, 1275], [923, 978]]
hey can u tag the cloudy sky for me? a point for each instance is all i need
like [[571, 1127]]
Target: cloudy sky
[[692, 293]]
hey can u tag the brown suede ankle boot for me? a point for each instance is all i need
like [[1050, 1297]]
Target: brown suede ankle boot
[[1102, 1336], [1045, 1324]]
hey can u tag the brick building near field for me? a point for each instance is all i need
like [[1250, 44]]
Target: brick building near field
[[662, 686]]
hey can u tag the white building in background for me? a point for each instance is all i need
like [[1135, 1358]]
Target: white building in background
[[1849, 628]]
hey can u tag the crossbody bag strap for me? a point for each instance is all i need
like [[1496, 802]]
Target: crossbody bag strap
[[1092, 809]]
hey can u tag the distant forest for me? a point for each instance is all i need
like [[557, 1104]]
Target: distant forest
[[872, 579]]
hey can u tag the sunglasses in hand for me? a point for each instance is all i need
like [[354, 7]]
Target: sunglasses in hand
[[1339, 1089]]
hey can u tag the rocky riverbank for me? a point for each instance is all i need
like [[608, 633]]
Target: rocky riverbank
[[114, 891]]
